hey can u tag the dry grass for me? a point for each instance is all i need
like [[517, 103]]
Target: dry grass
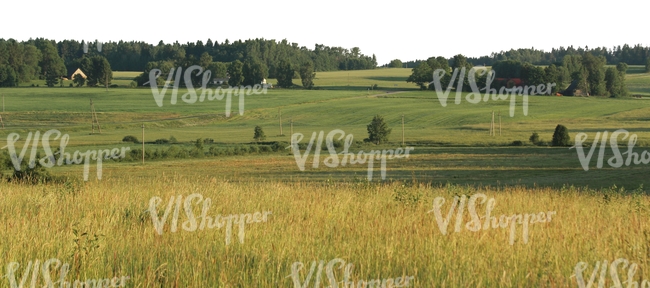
[[361, 223]]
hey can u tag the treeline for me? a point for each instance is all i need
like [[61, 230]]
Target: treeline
[[47, 59], [580, 74], [637, 55]]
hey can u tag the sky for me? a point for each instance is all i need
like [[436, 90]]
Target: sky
[[405, 30]]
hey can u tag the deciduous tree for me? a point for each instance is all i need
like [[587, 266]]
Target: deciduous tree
[[307, 75], [378, 130]]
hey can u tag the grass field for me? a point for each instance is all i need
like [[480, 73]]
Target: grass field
[[385, 228]]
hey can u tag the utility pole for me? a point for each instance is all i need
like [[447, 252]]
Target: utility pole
[[492, 126], [291, 121], [403, 130], [280, 112], [94, 118], [142, 143], [499, 123]]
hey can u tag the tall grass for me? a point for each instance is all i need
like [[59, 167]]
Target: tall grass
[[383, 229]]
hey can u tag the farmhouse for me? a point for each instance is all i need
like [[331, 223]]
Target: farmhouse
[[72, 72]]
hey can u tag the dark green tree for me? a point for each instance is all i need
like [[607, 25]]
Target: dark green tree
[[647, 65], [205, 60], [395, 64], [532, 75], [218, 70], [561, 136], [259, 134], [614, 83], [307, 74], [7, 76], [79, 80], [254, 72], [235, 73], [421, 75], [378, 130], [285, 74], [52, 66], [534, 138]]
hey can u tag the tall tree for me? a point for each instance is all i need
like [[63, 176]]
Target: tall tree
[[307, 74], [254, 72], [235, 72], [615, 83], [98, 70], [285, 74], [7, 76], [52, 66]]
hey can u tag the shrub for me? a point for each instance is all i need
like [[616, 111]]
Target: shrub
[[161, 141], [130, 138], [197, 152], [27, 175], [208, 141], [254, 149], [561, 136], [171, 152], [279, 146], [517, 143], [172, 139], [198, 144], [534, 138]]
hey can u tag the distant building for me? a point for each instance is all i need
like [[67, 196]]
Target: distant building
[[510, 82], [73, 72], [220, 81]]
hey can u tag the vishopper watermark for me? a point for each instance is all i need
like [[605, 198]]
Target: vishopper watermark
[[475, 96], [475, 224], [208, 222], [347, 276], [333, 160], [615, 161], [49, 267], [206, 93], [613, 272], [49, 160]]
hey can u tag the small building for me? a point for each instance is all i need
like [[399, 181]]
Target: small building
[[73, 72], [510, 82], [220, 81]]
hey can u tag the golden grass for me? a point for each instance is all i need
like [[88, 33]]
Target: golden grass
[[361, 223]]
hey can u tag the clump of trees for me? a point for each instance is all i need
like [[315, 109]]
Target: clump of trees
[[587, 71], [396, 63]]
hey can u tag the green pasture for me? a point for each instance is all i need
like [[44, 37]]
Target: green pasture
[[428, 126]]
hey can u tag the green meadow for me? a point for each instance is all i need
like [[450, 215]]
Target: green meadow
[[384, 227]]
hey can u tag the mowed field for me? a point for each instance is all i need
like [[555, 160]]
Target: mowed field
[[385, 228]]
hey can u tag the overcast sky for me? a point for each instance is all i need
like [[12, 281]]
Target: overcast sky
[[405, 30]]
